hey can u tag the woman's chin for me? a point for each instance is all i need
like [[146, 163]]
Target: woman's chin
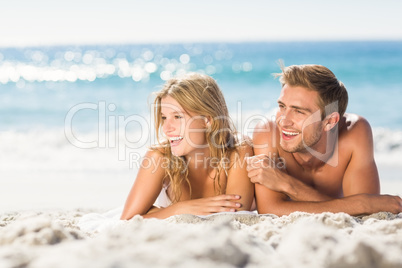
[[177, 153]]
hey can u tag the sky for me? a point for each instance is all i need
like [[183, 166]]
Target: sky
[[55, 22]]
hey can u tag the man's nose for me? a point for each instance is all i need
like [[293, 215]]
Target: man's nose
[[285, 120]]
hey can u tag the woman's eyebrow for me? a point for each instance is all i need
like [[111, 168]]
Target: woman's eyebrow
[[174, 112]]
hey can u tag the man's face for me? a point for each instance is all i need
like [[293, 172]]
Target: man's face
[[298, 118]]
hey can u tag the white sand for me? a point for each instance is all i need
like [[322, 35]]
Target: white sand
[[39, 215], [53, 239], [41, 193]]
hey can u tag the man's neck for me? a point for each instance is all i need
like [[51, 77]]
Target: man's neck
[[307, 161], [322, 153]]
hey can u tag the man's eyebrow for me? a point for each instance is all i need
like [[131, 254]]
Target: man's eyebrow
[[295, 107], [300, 108]]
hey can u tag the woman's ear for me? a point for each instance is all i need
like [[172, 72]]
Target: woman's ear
[[208, 121], [331, 121]]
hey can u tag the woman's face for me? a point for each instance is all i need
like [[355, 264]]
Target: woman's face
[[186, 132]]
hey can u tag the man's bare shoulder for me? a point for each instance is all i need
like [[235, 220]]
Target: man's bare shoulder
[[355, 128], [353, 123]]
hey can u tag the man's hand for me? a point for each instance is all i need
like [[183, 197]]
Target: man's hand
[[269, 173], [376, 203], [263, 170]]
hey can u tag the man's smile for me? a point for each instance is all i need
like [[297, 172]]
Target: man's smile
[[288, 135]]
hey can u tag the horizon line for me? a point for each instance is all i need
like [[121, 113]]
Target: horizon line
[[167, 42]]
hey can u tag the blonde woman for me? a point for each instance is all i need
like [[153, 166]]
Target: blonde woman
[[198, 166]]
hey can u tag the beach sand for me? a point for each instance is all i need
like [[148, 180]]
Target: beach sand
[[53, 239], [43, 204], [39, 228]]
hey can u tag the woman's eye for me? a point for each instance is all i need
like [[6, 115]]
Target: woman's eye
[[178, 117], [163, 117]]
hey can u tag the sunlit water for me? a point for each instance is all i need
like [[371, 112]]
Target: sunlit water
[[59, 105]]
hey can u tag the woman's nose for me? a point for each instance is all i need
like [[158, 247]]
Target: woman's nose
[[167, 126]]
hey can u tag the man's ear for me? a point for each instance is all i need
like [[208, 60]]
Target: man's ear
[[331, 121]]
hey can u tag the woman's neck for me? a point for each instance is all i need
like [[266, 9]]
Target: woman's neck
[[198, 159]]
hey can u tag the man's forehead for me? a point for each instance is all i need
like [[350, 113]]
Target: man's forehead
[[300, 97]]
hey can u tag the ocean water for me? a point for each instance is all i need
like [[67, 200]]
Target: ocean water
[[87, 108]]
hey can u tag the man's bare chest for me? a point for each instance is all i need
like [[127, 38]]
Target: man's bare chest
[[327, 180]]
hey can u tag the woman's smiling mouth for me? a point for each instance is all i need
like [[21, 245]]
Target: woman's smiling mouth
[[174, 141]]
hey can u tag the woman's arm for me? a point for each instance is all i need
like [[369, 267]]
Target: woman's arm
[[200, 206], [238, 182], [146, 187]]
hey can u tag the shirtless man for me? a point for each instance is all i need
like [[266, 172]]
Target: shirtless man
[[315, 158]]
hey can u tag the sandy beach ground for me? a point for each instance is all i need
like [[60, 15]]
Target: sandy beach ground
[[56, 210], [53, 239], [41, 225]]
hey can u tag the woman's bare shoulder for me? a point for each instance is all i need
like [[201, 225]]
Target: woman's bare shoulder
[[243, 149], [157, 150], [264, 132]]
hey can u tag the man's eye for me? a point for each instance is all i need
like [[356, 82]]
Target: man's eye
[[299, 112]]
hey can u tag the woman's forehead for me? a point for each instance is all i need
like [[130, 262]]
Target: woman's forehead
[[170, 105]]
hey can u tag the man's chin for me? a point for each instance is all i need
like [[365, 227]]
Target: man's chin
[[288, 148]]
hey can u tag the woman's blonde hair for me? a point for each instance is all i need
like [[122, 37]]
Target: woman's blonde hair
[[198, 94]]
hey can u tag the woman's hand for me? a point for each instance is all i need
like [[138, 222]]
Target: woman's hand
[[209, 205]]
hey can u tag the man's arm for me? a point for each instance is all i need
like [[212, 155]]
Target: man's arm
[[270, 202], [266, 171], [274, 187], [361, 175], [305, 198]]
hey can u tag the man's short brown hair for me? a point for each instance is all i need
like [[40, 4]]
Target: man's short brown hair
[[321, 79]]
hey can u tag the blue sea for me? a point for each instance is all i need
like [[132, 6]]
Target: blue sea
[[39, 85], [71, 115], [100, 89]]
